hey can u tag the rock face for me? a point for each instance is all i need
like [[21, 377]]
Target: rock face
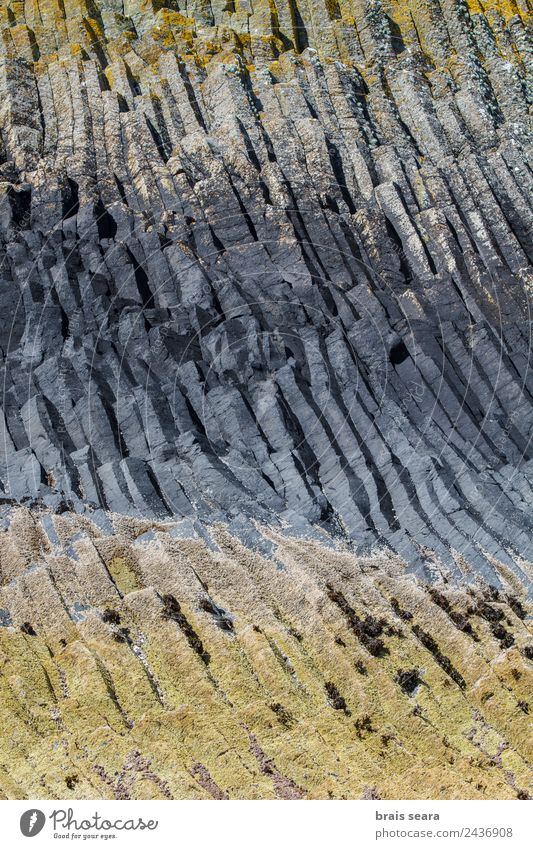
[[270, 260], [163, 661], [264, 267]]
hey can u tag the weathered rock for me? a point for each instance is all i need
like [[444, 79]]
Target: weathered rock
[[162, 660], [263, 265]]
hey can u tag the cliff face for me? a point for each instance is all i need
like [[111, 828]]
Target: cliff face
[[264, 267], [270, 260]]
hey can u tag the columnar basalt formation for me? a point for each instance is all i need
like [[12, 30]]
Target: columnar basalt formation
[[265, 268]]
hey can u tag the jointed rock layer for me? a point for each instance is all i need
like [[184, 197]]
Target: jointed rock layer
[[265, 268], [271, 261]]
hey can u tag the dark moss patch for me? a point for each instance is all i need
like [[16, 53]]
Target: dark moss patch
[[172, 610], [283, 715], [221, 616], [71, 781], [444, 662], [516, 606], [122, 635], [336, 701], [491, 593], [392, 631], [368, 630], [459, 620], [363, 725], [439, 599], [488, 612], [406, 615], [408, 679], [111, 616], [505, 637]]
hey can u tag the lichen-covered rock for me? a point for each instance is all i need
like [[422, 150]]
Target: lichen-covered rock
[[265, 265], [156, 660]]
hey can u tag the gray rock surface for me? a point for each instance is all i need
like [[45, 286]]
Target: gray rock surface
[[271, 266]]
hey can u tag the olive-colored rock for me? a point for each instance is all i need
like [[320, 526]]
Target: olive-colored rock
[[227, 674]]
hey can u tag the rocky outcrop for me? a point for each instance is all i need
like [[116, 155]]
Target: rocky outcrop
[[265, 466], [162, 660], [271, 260]]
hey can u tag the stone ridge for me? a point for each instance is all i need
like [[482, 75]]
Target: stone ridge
[[161, 660], [269, 260]]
